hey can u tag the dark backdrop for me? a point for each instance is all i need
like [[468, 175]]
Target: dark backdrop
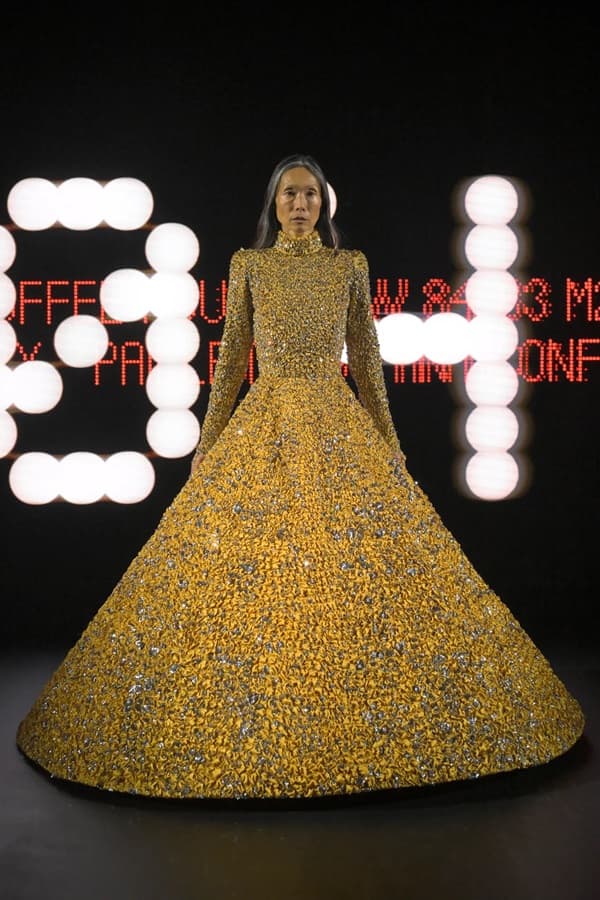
[[400, 109]]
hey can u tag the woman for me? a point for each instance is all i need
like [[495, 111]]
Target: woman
[[301, 622]]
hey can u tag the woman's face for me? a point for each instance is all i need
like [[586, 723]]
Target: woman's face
[[298, 201]]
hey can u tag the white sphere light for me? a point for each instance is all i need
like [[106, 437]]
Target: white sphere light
[[445, 338], [491, 247], [491, 200], [33, 204], [172, 340], [172, 247], [8, 432], [8, 249], [173, 385], [129, 477], [493, 291], [173, 294], [492, 428], [332, 201], [6, 387], [401, 338], [33, 478], [80, 203], [81, 477], [128, 203], [8, 295], [492, 338], [124, 294], [173, 433], [492, 383], [8, 341], [81, 341], [37, 386], [492, 475]]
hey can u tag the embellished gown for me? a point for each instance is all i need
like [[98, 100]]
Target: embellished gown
[[300, 622]]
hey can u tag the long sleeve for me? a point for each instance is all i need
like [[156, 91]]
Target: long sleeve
[[364, 358], [234, 350]]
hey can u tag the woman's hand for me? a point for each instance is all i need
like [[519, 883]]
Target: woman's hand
[[196, 460]]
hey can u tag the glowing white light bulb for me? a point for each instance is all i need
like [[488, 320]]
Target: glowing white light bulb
[[173, 294], [8, 295], [33, 478], [491, 292], [37, 386], [492, 383], [80, 203], [172, 247], [81, 477], [173, 433], [492, 475], [128, 203], [173, 385], [491, 200], [81, 341], [129, 477], [401, 338], [8, 431], [33, 204], [491, 247], [8, 341], [492, 428], [8, 249], [445, 338], [172, 340], [124, 294]]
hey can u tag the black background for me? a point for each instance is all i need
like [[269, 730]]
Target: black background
[[399, 108]]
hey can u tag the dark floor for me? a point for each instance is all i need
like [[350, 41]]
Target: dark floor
[[531, 834]]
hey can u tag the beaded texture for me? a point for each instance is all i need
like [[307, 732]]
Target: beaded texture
[[301, 622]]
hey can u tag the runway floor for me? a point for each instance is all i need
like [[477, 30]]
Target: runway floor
[[531, 834]]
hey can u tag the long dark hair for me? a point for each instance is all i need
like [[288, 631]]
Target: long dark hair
[[268, 225]]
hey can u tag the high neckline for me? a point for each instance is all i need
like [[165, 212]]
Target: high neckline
[[298, 246]]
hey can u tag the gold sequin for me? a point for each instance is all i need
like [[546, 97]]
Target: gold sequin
[[300, 622]]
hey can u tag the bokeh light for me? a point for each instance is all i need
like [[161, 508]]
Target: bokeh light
[[173, 433], [172, 340], [81, 341], [172, 247], [446, 338], [8, 295], [37, 386], [173, 294], [492, 475], [8, 341], [8, 249], [127, 203], [81, 477], [491, 292], [491, 247], [173, 385], [401, 338], [8, 430], [129, 477], [124, 294], [491, 200], [80, 204], [492, 383], [492, 428], [33, 204], [34, 478]]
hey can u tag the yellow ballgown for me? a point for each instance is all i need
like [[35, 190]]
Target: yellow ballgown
[[301, 622]]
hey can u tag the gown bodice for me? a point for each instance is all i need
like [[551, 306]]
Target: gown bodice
[[299, 302]]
